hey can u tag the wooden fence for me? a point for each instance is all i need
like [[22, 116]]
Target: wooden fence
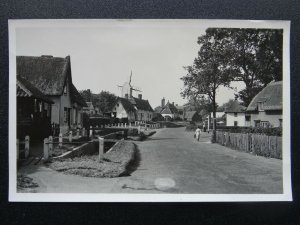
[[259, 144]]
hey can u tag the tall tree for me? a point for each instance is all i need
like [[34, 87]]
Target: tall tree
[[254, 56], [207, 74]]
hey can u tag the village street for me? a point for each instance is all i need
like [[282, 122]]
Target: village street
[[172, 161]]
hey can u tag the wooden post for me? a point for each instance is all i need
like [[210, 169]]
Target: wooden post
[[70, 136], [46, 149], [50, 146], [60, 140], [101, 148], [83, 132], [77, 133], [27, 141], [129, 124], [139, 129], [18, 149]]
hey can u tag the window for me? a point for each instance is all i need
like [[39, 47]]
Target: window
[[65, 115], [65, 90], [257, 123], [235, 114], [235, 123], [142, 116], [260, 106], [265, 123], [247, 118], [280, 122]]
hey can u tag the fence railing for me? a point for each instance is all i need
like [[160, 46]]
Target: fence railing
[[259, 144], [113, 137]]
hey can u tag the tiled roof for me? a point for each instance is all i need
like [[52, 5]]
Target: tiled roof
[[26, 89], [128, 106], [270, 97], [142, 104], [76, 96], [169, 109], [235, 107], [133, 104], [189, 114]]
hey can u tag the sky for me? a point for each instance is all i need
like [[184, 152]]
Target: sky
[[104, 52]]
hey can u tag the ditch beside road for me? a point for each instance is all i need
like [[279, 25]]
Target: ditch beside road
[[172, 161]]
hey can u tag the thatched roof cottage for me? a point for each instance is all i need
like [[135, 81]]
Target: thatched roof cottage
[[265, 108], [52, 76]]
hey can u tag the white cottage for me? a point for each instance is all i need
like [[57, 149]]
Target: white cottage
[[235, 114], [133, 109]]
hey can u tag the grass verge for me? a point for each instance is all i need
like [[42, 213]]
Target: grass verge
[[119, 161]]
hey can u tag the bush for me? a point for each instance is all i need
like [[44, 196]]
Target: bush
[[274, 131]]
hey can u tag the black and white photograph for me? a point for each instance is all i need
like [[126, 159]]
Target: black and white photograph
[[110, 110]]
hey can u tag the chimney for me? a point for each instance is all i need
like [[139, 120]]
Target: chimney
[[172, 103], [126, 95], [140, 96], [163, 102]]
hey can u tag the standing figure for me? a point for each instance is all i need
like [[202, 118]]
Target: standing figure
[[197, 133]]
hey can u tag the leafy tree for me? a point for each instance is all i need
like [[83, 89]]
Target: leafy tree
[[253, 56], [208, 71], [104, 100], [87, 95]]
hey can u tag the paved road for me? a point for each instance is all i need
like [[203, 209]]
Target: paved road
[[172, 161]]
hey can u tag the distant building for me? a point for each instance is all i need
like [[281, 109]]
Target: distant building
[[168, 111], [52, 76], [235, 115], [192, 116], [89, 109], [265, 108], [133, 109]]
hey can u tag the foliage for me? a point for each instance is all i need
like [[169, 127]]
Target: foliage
[[226, 105], [253, 56], [104, 100], [209, 70], [87, 95], [269, 131]]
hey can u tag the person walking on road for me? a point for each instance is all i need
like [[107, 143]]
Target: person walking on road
[[197, 133]]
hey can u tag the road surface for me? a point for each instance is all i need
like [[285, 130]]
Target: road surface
[[172, 161]]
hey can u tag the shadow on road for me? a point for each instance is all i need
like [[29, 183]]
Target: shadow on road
[[133, 164], [158, 139]]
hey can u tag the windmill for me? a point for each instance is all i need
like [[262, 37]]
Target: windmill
[[127, 88]]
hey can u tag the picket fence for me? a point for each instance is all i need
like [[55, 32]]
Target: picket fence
[[258, 144]]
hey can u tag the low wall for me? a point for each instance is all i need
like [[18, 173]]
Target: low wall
[[259, 144]]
